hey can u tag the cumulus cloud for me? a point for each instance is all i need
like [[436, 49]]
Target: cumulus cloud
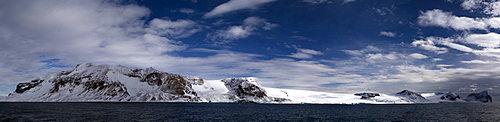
[[388, 34], [437, 17], [429, 45], [234, 5], [305, 53], [489, 40], [471, 4], [249, 26]]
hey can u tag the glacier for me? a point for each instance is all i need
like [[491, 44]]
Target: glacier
[[88, 82]]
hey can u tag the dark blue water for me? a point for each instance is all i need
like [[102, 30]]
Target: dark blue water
[[246, 112]]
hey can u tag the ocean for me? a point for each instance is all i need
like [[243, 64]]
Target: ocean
[[98, 111]]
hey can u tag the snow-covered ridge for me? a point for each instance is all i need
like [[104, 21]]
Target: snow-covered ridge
[[89, 82]]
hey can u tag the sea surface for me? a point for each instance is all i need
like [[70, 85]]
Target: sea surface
[[246, 112]]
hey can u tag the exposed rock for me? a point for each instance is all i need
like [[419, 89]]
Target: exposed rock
[[412, 96], [248, 90], [479, 97], [22, 87], [367, 95], [245, 87], [194, 80], [450, 96]]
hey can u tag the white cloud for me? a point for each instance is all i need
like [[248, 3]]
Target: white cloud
[[248, 27], [348, 1], [493, 8], [444, 65], [493, 22], [368, 49], [305, 53], [437, 17], [480, 62], [418, 56], [384, 58], [437, 59], [235, 32], [258, 22], [471, 4], [234, 5], [173, 29], [488, 44], [186, 10], [388, 34], [317, 1], [383, 11], [489, 40], [429, 45]]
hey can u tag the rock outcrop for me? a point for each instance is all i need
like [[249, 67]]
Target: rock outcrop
[[367, 95], [479, 97], [248, 90], [412, 97], [450, 96]]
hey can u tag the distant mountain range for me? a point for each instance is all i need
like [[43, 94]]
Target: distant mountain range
[[104, 83]]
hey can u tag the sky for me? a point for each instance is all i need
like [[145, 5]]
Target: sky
[[339, 46]]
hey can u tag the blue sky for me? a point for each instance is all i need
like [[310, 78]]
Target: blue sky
[[340, 46]]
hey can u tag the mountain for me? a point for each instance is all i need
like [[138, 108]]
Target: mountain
[[411, 96], [450, 96], [90, 82], [479, 97]]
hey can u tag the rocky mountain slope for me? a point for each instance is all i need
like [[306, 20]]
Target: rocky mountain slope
[[89, 82]]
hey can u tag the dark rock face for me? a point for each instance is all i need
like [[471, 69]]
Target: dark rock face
[[411, 94], [170, 83], [367, 95], [479, 97], [412, 97], [194, 80], [244, 88], [450, 96], [247, 90], [22, 87]]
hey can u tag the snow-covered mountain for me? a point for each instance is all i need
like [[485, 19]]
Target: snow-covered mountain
[[89, 82], [479, 97]]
